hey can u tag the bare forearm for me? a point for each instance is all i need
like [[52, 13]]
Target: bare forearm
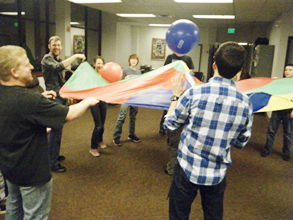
[[77, 110], [172, 106]]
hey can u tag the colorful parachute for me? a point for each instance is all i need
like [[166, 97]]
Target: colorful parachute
[[154, 89], [268, 94], [150, 90]]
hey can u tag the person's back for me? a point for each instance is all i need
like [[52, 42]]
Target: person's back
[[216, 120], [215, 117]]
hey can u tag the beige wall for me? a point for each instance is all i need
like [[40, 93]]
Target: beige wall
[[279, 34]]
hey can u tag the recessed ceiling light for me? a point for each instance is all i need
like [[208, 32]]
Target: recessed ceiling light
[[11, 13], [95, 1], [160, 25], [215, 16], [204, 1], [242, 43], [137, 15]]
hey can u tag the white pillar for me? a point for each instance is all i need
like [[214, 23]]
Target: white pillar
[[63, 19]]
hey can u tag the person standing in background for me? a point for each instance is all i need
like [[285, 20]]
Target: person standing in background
[[286, 117], [173, 137], [127, 73], [99, 113], [52, 67], [170, 59]]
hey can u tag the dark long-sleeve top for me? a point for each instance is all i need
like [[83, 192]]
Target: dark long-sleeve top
[[52, 72]]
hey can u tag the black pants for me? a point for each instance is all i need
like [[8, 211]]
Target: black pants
[[183, 192]]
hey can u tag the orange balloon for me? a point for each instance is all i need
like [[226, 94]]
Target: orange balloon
[[111, 72]]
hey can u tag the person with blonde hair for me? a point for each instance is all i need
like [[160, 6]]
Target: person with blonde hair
[[24, 150]]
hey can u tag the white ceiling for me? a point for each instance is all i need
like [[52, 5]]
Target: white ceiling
[[245, 11]]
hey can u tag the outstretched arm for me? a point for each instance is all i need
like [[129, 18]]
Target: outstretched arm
[[69, 60], [77, 110]]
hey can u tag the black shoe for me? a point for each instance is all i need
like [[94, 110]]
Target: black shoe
[[61, 158], [265, 153], [132, 137], [117, 142], [162, 132], [286, 157], [58, 168], [3, 206], [168, 173]]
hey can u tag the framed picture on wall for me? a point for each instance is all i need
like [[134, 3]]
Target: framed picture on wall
[[158, 49], [78, 44]]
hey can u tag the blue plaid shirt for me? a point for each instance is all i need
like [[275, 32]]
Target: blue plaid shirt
[[216, 116]]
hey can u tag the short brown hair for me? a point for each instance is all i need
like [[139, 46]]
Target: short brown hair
[[9, 55], [54, 38], [133, 56], [230, 59]]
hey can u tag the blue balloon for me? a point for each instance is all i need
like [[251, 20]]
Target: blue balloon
[[182, 36]]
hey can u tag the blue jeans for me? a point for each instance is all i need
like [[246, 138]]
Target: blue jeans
[[99, 113], [277, 117], [183, 192], [54, 139], [121, 118], [28, 202]]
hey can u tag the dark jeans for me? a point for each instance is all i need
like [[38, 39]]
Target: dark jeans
[[99, 113], [183, 192], [277, 117], [173, 140], [54, 139]]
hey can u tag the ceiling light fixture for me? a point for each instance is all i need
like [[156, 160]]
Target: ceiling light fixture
[[11, 13], [95, 1], [203, 1], [136, 15], [160, 25], [215, 16]]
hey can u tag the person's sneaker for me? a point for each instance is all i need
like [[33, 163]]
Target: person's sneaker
[[94, 152], [61, 158], [103, 145], [58, 168], [3, 206], [132, 137], [286, 157], [265, 153], [166, 171], [117, 141]]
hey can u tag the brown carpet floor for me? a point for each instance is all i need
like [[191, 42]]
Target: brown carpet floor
[[129, 183]]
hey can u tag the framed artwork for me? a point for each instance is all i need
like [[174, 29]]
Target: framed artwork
[[158, 49], [78, 44]]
